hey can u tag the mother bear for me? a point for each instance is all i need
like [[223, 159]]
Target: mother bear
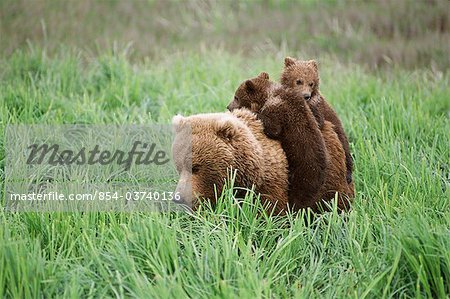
[[206, 146]]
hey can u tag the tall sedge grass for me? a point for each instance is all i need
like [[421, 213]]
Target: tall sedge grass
[[394, 243]]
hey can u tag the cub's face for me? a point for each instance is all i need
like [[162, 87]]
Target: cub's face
[[202, 153], [301, 76], [252, 94]]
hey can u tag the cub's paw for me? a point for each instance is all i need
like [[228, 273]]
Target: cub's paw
[[272, 127]]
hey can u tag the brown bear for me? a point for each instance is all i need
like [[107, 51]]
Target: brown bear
[[303, 76], [316, 158], [253, 93], [217, 142], [286, 117], [335, 172]]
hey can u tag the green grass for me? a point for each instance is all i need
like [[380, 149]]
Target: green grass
[[394, 243]]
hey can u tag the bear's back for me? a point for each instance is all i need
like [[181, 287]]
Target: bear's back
[[274, 169], [336, 171]]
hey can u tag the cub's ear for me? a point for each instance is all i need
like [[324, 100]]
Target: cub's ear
[[250, 86], [314, 64], [178, 122], [226, 129], [264, 76], [288, 61]]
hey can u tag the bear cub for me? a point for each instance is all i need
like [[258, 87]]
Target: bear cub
[[303, 77], [297, 131], [302, 142], [253, 93]]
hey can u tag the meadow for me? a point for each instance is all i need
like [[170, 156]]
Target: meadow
[[395, 242]]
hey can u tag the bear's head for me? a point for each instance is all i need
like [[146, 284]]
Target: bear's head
[[206, 147], [302, 76], [252, 93]]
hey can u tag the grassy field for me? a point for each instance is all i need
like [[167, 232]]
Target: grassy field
[[394, 243]]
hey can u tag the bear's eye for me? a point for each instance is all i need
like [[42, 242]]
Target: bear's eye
[[311, 84], [236, 99], [195, 168], [299, 82]]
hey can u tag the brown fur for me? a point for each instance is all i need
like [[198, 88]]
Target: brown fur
[[221, 141], [253, 93], [336, 180], [303, 76], [287, 117], [335, 172]]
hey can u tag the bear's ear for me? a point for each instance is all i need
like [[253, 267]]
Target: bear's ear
[[178, 122], [288, 61], [314, 64], [264, 76], [250, 86], [226, 129]]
